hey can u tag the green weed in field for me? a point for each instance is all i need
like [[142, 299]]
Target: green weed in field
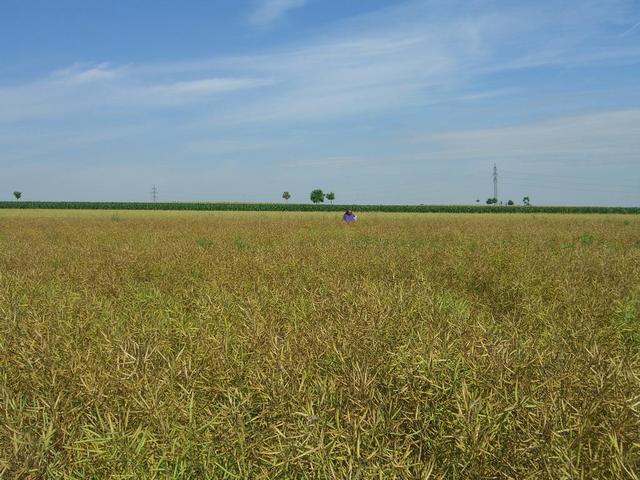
[[586, 238], [204, 242]]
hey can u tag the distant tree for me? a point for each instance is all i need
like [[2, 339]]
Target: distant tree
[[510, 202], [17, 195], [286, 196], [317, 196], [477, 200], [331, 197], [491, 201], [526, 201]]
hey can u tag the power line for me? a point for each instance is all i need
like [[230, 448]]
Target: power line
[[154, 194]]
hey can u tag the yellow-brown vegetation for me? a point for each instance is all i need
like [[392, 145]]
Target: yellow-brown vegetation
[[290, 345]]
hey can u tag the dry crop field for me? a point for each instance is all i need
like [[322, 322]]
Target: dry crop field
[[289, 345]]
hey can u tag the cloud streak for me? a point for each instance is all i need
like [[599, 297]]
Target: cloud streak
[[606, 137], [79, 89], [268, 11], [415, 54]]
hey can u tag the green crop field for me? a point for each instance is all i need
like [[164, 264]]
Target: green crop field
[[193, 345], [310, 207]]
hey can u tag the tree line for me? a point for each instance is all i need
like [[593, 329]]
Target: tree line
[[316, 196], [494, 201]]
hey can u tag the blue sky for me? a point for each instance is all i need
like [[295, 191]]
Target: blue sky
[[379, 101]]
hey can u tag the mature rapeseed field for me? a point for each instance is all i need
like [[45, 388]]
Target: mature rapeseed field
[[290, 345]]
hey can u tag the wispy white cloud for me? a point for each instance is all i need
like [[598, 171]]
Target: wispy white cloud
[[226, 146], [268, 11], [630, 30], [82, 88], [208, 86], [413, 54], [84, 73], [327, 162], [605, 137], [417, 53]]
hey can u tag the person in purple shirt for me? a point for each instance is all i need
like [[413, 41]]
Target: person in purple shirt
[[349, 216]]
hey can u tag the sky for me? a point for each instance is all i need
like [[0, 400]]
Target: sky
[[401, 102]]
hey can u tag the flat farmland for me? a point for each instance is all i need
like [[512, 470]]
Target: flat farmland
[[290, 345]]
